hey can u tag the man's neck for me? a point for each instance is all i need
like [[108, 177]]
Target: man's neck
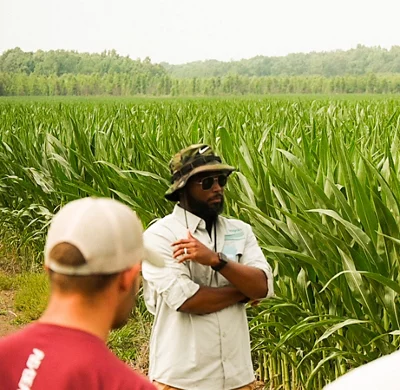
[[72, 312], [209, 220]]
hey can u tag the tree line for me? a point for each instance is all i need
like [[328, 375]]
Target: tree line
[[60, 62], [68, 73], [359, 61], [16, 84]]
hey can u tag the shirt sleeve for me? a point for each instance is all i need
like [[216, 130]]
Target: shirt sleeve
[[172, 282], [253, 256]]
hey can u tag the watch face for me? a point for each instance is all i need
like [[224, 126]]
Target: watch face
[[223, 257]]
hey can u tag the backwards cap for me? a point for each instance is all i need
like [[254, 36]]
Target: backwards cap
[[107, 233]]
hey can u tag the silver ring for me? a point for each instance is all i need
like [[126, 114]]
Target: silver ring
[[185, 251]]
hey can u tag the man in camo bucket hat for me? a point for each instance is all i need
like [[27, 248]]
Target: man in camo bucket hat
[[213, 266], [190, 161]]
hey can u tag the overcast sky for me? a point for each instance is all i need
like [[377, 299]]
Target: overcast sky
[[179, 31]]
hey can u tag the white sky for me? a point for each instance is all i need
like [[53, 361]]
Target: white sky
[[178, 31]]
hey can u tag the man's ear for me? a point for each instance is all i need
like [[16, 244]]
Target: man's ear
[[128, 276]]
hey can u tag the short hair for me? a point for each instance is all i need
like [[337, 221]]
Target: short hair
[[68, 254]]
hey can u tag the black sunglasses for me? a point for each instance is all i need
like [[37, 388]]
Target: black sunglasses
[[208, 182]]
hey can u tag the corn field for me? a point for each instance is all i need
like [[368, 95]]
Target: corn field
[[318, 180]]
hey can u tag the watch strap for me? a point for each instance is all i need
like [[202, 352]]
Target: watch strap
[[223, 261]]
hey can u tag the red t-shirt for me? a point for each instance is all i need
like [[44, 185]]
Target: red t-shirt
[[44, 356]]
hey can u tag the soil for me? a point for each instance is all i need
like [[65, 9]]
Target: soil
[[7, 314]]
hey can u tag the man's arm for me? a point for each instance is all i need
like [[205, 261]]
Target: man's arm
[[180, 293], [173, 282], [250, 281], [211, 299]]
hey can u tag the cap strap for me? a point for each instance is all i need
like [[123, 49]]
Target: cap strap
[[201, 160]]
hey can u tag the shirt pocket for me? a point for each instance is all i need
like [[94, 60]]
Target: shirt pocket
[[233, 250]]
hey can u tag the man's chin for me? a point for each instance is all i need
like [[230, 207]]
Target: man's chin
[[216, 208], [119, 324], [122, 319], [206, 210], [215, 202]]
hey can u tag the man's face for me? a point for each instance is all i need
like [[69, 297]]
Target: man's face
[[205, 194], [126, 305]]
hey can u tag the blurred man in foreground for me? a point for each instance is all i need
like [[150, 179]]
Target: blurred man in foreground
[[93, 256]]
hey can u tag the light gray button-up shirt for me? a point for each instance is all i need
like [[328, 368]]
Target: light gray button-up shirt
[[191, 351]]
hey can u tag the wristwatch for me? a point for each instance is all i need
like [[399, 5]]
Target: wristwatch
[[223, 261]]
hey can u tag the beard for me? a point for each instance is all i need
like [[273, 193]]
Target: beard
[[204, 210]]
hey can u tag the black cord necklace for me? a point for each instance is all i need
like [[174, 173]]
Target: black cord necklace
[[215, 236]]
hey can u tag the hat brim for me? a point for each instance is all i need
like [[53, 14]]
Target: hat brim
[[146, 254], [172, 193], [153, 257]]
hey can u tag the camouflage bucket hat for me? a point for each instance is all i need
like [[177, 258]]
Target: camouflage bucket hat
[[190, 161]]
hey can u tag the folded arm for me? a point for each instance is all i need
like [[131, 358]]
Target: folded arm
[[211, 299], [250, 281], [246, 277]]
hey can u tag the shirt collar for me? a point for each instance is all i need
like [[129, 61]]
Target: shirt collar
[[193, 221]]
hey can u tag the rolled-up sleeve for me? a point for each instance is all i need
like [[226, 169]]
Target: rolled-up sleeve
[[253, 256], [172, 282]]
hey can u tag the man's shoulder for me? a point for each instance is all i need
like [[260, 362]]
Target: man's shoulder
[[124, 374], [160, 224], [15, 337], [114, 373], [79, 350]]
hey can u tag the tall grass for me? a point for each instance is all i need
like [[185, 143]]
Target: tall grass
[[318, 180]]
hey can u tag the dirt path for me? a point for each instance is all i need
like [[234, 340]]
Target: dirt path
[[7, 315]]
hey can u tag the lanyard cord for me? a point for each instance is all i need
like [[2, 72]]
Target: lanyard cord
[[215, 236], [186, 221]]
